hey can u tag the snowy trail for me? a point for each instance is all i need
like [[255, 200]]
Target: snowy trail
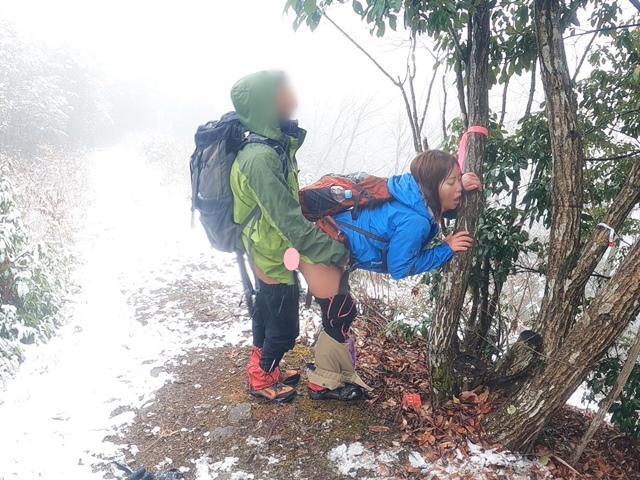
[[55, 414]]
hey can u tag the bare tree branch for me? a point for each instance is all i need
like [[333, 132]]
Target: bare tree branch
[[428, 100], [444, 108], [584, 56], [416, 135], [460, 56], [597, 245], [610, 398], [359, 47], [616, 157], [504, 101], [604, 29], [532, 88], [411, 75], [410, 101]]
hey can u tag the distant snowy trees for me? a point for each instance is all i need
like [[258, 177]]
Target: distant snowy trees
[[47, 97], [31, 281], [51, 107]]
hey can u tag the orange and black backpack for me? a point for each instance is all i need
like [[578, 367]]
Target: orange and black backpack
[[334, 194]]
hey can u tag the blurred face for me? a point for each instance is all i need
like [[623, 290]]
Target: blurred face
[[450, 190], [286, 102]]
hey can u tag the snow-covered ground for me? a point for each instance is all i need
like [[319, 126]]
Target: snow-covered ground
[[85, 384], [55, 414]]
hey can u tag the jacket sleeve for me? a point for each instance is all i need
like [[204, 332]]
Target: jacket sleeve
[[263, 171], [406, 254]]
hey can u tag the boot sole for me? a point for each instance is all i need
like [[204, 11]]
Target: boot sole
[[320, 396], [282, 399], [292, 381]]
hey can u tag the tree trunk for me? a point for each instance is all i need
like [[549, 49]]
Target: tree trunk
[[558, 309], [516, 423], [634, 351], [477, 336], [444, 327], [570, 350]]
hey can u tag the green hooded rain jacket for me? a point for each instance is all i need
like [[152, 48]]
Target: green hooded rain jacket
[[257, 179]]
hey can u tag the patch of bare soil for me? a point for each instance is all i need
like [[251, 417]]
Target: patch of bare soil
[[207, 412]]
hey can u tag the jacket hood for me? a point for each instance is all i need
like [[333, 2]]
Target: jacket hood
[[254, 99], [405, 190]]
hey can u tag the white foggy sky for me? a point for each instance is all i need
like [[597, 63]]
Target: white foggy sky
[[202, 47], [198, 48]]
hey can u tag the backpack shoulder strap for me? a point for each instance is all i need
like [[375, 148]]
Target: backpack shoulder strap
[[372, 236], [362, 231], [284, 158]]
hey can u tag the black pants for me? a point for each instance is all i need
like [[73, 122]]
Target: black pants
[[275, 322], [338, 313]]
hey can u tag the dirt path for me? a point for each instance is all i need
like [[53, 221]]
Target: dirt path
[[204, 421]]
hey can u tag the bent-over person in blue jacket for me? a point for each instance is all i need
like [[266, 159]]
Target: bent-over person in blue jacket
[[396, 237]]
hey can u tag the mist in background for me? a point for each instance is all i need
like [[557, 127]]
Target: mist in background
[[169, 67]]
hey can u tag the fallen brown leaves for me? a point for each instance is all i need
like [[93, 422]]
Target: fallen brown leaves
[[395, 368], [609, 455]]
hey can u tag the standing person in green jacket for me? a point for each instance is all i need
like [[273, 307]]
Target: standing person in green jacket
[[265, 103]]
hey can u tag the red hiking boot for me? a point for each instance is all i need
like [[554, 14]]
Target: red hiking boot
[[287, 377], [268, 385], [276, 393]]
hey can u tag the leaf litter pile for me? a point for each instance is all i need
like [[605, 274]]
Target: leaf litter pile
[[396, 369]]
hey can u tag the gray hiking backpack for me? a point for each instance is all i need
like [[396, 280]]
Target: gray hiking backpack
[[217, 145]]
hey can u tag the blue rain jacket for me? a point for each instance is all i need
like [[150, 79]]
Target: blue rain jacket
[[408, 226]]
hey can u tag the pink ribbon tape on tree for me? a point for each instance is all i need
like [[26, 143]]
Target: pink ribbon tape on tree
[[462, 148], [612, 233]]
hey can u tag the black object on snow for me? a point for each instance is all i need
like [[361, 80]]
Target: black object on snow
[[142, 474]]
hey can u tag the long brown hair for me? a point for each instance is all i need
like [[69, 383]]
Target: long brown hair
[[430, 169]]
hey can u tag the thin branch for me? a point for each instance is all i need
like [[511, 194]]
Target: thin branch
[[614, 116], [604, 29], [504, 101], [584, 56], [532, 88], [617, 157], [444, 108], [367, 54], [411, 75], [407, 104], [460, 56], [460, 88], [398, 83], [609, 399], [524, 269], [428, 101], [636, 4]]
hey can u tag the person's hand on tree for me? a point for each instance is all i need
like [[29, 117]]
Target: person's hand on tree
[[470, 182], [459, 241]]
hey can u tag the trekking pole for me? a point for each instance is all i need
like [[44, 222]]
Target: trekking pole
[[246, 283]]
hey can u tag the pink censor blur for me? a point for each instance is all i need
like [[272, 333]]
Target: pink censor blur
[[291, 259]]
